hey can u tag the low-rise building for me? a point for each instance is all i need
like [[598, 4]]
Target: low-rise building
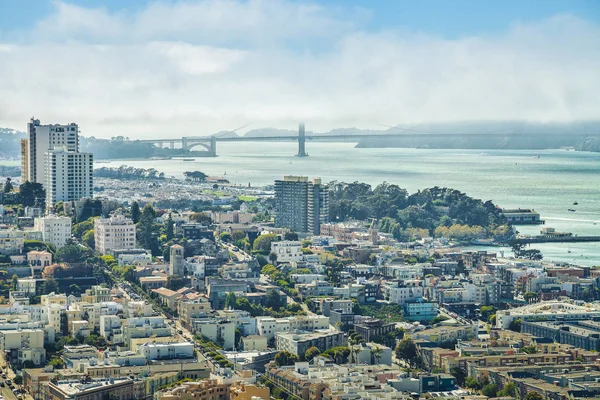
[[298, 343]]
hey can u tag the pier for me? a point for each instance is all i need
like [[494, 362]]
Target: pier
[[553, 239]]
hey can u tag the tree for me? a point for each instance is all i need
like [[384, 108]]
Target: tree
[[225, 237], [530, 296], [311, 353], [489, 390], [135, 212], [284, 358], [406, 349], [201, 218], [174, 282], [32, 194], [73, 253], [8, 186], [509, 390], [262, 244], [272, 258], [18, 380], [533, 395], [273, 299], [472, 383], [88, 239], [460, 375], [78, 230], [230, 300], [147, 232], [75, 289], [15, 282], [290, 236], [50, 286], [487, 312]]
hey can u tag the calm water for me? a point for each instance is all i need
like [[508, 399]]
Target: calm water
[[548, 181]]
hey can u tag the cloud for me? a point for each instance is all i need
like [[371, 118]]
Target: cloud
[[197, 67]]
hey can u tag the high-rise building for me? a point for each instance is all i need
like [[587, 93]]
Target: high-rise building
[[318, 206], [24, 160], [47, 137], [69, 176], [176, 260], [55, 229], [114, 233], [301, 205]]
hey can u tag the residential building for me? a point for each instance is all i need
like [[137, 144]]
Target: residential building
[[370, 353], [38, 260], [48, 137], [176, 262], [11, 241], [153, 282], [146, 327], [112, 388], [420, 310], [244, 391], [301, 205], [55, 229], [209, 389], [287, 251], [69, 175], [188, 310], [254, 343], [166, 351], [298, 343], [24, 160], [548, 311], [371, 328], [217, 330], [114, 233]]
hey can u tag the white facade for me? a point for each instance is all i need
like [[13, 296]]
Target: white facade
[[38, 260], [287, 251], [55, 229], [114, 233], [69, 175], [166, 351], [400, 294], [268, 326], [47, 137], [11, 241]]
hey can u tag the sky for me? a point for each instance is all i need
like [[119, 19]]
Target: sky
[[173, 68]]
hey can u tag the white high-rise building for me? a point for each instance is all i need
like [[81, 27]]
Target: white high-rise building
[[55, 229], [114, 233], [69, 176], [47, 137]]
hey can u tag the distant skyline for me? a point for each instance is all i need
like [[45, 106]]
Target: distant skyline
[[174, 68]]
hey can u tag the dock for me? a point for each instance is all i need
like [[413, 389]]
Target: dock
[[553, 239]]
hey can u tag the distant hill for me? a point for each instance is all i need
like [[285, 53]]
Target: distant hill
[[10, 142]]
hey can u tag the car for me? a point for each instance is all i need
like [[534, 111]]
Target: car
[[8, 382], [1, 384]]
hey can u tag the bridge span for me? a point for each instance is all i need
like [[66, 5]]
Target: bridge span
[[209, 143]]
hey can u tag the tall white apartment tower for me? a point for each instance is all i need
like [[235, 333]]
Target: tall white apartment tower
[[69, 176], [47, 137]]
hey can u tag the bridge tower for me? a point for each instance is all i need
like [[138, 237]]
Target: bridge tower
[[184, 143], [213, 146], [301, 141]]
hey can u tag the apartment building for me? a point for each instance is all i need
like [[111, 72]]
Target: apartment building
[[301, 205], [11, 241], [55, 229], [43, 138], [69, 176], [298, 343], [287, 251], [114, 233]]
